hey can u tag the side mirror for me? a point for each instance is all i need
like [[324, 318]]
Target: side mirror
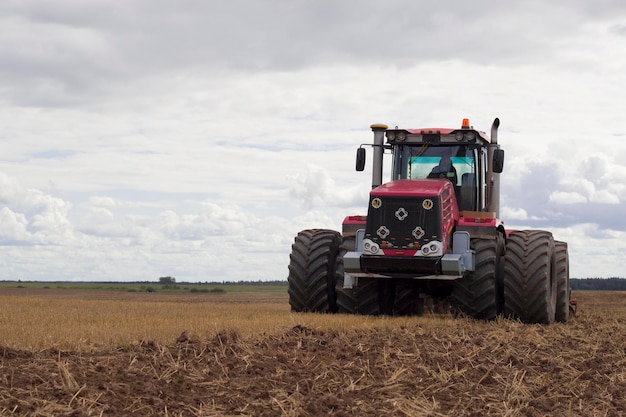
[[360, 159], [498, 161]]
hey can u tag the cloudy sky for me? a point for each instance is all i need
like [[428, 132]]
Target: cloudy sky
[[147, 138]]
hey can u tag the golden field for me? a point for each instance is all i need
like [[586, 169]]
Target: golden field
[[88, 353]]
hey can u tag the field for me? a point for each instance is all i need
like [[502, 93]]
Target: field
[[96, 352]]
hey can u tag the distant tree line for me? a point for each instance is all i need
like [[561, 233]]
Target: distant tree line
[[171, 282], [581, 284], [598, 284], [260, 283]]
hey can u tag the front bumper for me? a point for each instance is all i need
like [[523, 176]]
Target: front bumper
[[450, 266]]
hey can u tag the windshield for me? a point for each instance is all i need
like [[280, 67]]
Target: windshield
[[426, 161]]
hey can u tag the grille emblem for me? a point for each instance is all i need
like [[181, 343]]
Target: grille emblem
[[383, 232], [418, 232], [401, 213]]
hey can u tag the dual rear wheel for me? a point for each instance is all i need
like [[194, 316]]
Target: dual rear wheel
[[536, 278], [312, 265]]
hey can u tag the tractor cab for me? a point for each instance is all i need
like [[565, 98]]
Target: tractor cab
[[462, 165], [465, 156]]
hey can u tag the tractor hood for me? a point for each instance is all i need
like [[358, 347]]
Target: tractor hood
[[406, 215], [417, 188]]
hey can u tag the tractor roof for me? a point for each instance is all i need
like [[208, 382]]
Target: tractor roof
[[437, 136]]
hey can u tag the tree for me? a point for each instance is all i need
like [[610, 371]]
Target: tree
[[167, 282]]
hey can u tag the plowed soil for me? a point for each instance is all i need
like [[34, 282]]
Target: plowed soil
[[461, 368]]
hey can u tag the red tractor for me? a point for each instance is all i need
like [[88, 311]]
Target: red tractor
[[432, 239]]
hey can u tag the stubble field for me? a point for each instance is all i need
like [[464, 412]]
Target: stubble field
[[104, 353]]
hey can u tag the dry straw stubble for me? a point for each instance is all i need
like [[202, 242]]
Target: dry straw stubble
[[246, 358]]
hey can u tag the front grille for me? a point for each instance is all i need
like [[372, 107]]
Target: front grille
[[403, 222]]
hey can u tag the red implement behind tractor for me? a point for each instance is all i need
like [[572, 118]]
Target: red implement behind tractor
[[432, 239]]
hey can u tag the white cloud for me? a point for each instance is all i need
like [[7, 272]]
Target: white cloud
[[102, 223], [103, 201], [10, 189], [588, 247], [513, 213], [604, 197], [563, 197], [315, 187], [596, 167], [12, 227], [32, 217], [213, 220]]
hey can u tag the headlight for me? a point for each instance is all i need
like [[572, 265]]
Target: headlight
[[370, 248], [434, 248]]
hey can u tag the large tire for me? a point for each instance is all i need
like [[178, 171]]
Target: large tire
[[346, 297], [362, 298], [562, 282], [530, 277], [312, 271], [476, 295], [408, 301], [367, 296], [500, 273]]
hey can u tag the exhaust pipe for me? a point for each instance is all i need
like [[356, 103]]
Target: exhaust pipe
[[377, 168], [494, 167], [494, 130]]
